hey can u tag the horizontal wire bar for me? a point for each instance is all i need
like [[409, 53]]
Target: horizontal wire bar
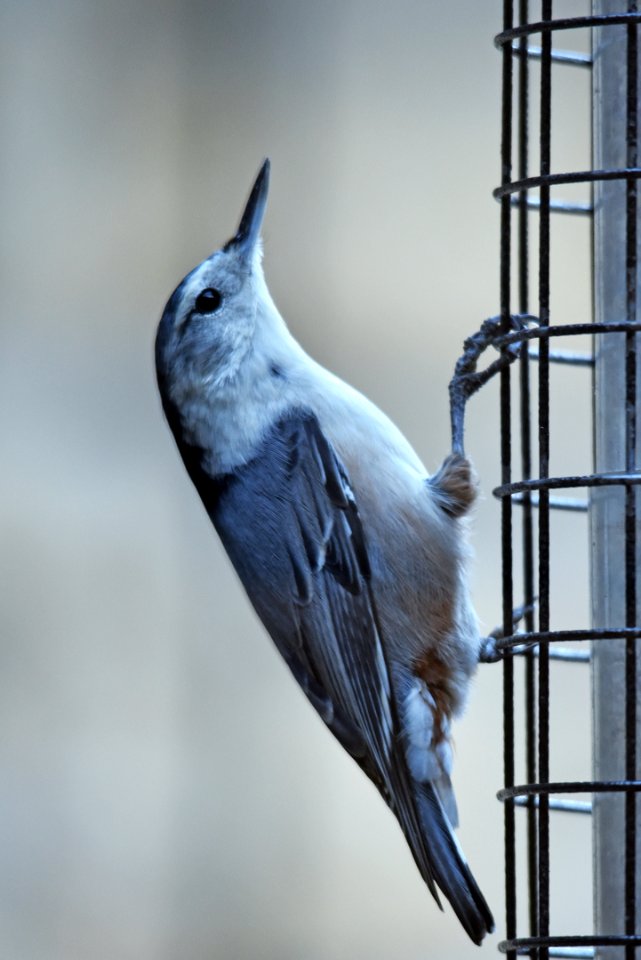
[[565, 23], [523, 333], [568, 656], [565, 806], [572, 57], [559, 206], [576, 176], [554, 653], [583, 807], [572, 786], [523, 945], [564, 356], [584, 953], [564, 483], [531, 638], [574, 504]]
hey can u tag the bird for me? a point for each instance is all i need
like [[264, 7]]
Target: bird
[[352, 555]]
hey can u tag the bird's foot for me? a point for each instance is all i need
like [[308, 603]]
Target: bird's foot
[[467, 379], [491, 651]]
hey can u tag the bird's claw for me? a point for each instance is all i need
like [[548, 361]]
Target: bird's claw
[[488, 652], [491, 651], [467, 379]]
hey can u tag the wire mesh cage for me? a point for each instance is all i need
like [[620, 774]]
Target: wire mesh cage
[[531, 333]]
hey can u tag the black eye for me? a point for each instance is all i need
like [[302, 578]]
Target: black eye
[[208, 301]]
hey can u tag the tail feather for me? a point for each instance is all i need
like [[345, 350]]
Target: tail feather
[[447, 866]]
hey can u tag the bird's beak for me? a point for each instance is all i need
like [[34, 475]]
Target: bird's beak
[[252, 218]]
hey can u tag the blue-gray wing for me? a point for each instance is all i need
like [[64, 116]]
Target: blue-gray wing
[[290, 524], [289, 521]]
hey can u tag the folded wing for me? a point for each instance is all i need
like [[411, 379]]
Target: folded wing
[[290, 524]]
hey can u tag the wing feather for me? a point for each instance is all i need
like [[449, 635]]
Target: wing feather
[[290, 524]]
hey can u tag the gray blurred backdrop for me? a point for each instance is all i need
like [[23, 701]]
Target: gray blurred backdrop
[[166, 790]]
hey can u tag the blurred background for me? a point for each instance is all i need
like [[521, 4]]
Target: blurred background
[[166, 790]]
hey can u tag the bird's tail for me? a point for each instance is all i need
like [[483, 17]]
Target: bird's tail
[[441, 860]]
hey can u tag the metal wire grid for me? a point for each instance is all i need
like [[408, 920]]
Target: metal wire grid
[[512, 333], [538, 646]]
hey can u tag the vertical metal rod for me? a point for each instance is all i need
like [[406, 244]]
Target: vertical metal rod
[[506, 471], [616, 677], [526, 469], [544, 466], [630, 492]]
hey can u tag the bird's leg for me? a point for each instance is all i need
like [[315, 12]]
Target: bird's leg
[[489, 652], [467, 379]]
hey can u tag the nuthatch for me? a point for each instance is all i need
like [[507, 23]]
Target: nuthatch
[[351, 554]]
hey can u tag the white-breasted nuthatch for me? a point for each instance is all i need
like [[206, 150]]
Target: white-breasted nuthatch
[[352, 556]]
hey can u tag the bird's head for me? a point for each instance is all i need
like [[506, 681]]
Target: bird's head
[[208, 325]]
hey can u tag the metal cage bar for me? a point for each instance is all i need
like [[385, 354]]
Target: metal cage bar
[[506, 476], [611, 493], [529, 493]]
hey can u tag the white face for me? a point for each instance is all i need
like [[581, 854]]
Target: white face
[[208, 324]]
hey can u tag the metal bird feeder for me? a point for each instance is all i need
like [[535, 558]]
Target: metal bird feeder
[[531, 335]]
